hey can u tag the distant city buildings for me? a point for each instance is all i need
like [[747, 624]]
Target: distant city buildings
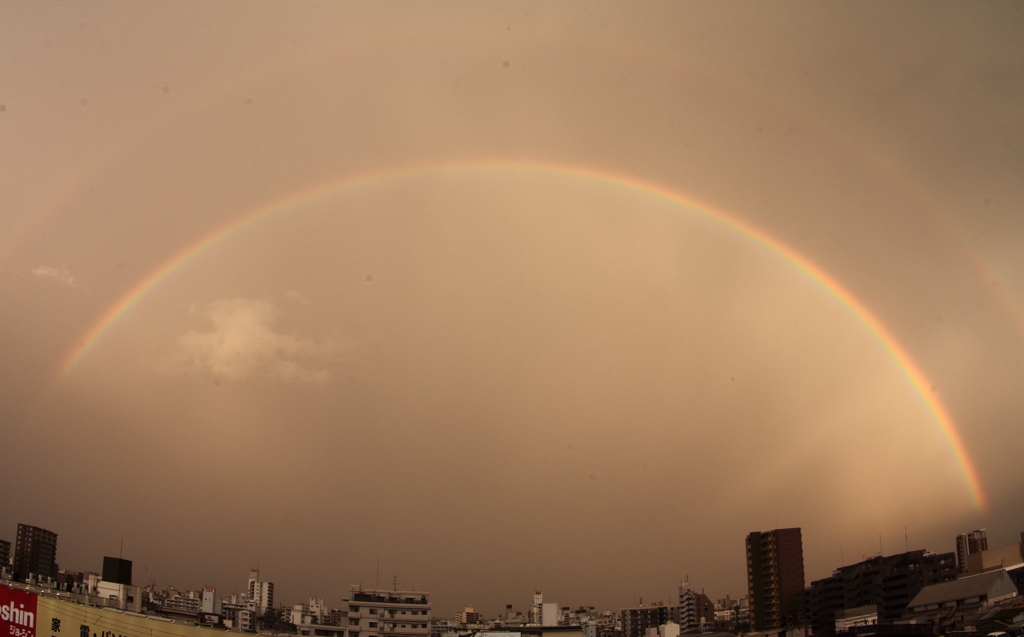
[[693, 612], [775, 577], [731, 615], [915, 593]]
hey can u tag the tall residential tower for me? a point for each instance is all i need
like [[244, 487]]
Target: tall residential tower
[[261, 594], [35, 552], [775, 577]]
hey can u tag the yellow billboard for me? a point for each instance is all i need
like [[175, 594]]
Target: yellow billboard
[[27, 614]]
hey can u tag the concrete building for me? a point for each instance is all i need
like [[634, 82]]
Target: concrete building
[[209, 603], [35, 553], [945, 605], [186, 603], [669, 629], [261, 593], [705, 613], [686, 616], [5, 554], [637, 621], [238, 614], [967, 543], [384, 613], [577, 617], [887, 583], [695, 611], [125, 596], [467, 616], [775, 577], [987, 559], [549, 614], [315, 612], [730, 615]]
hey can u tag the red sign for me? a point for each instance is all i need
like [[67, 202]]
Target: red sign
[[17, 613]]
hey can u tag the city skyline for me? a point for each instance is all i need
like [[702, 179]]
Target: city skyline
[[778, 560], [509, 297]]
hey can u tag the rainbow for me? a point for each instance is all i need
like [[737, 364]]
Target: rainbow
[[910, 369]]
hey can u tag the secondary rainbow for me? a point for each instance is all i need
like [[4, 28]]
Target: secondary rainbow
[[913, 373]]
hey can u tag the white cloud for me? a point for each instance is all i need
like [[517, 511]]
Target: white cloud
[[243, 344], [61, 275]]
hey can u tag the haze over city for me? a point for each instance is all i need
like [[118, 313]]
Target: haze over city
[[509, 297]]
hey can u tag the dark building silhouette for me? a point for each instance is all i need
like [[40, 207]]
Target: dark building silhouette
[[117, 570], [35, 551], [888, 583], [968, 543], [5, 553], [636, 621], [775, 577]]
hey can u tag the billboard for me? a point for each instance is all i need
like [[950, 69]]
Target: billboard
[[26, 614], [18, 613]]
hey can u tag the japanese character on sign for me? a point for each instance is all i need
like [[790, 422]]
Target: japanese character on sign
[[55, 625]]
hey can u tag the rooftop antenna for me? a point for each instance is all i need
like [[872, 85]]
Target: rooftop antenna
[[879, 544], [906, 538], [394, 583], [378, 574], [842, 560], [120, 553]]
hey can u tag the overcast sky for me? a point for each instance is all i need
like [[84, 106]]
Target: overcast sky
[[508, 296]]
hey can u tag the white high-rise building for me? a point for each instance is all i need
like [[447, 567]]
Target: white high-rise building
[[261, 594], [687, 607]]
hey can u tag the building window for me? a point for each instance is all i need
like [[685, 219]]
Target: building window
[[373, 624]]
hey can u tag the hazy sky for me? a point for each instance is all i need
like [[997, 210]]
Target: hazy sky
[[509, 296]]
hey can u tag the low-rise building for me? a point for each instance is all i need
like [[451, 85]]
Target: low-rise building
[[945, 605], [378, 613]]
